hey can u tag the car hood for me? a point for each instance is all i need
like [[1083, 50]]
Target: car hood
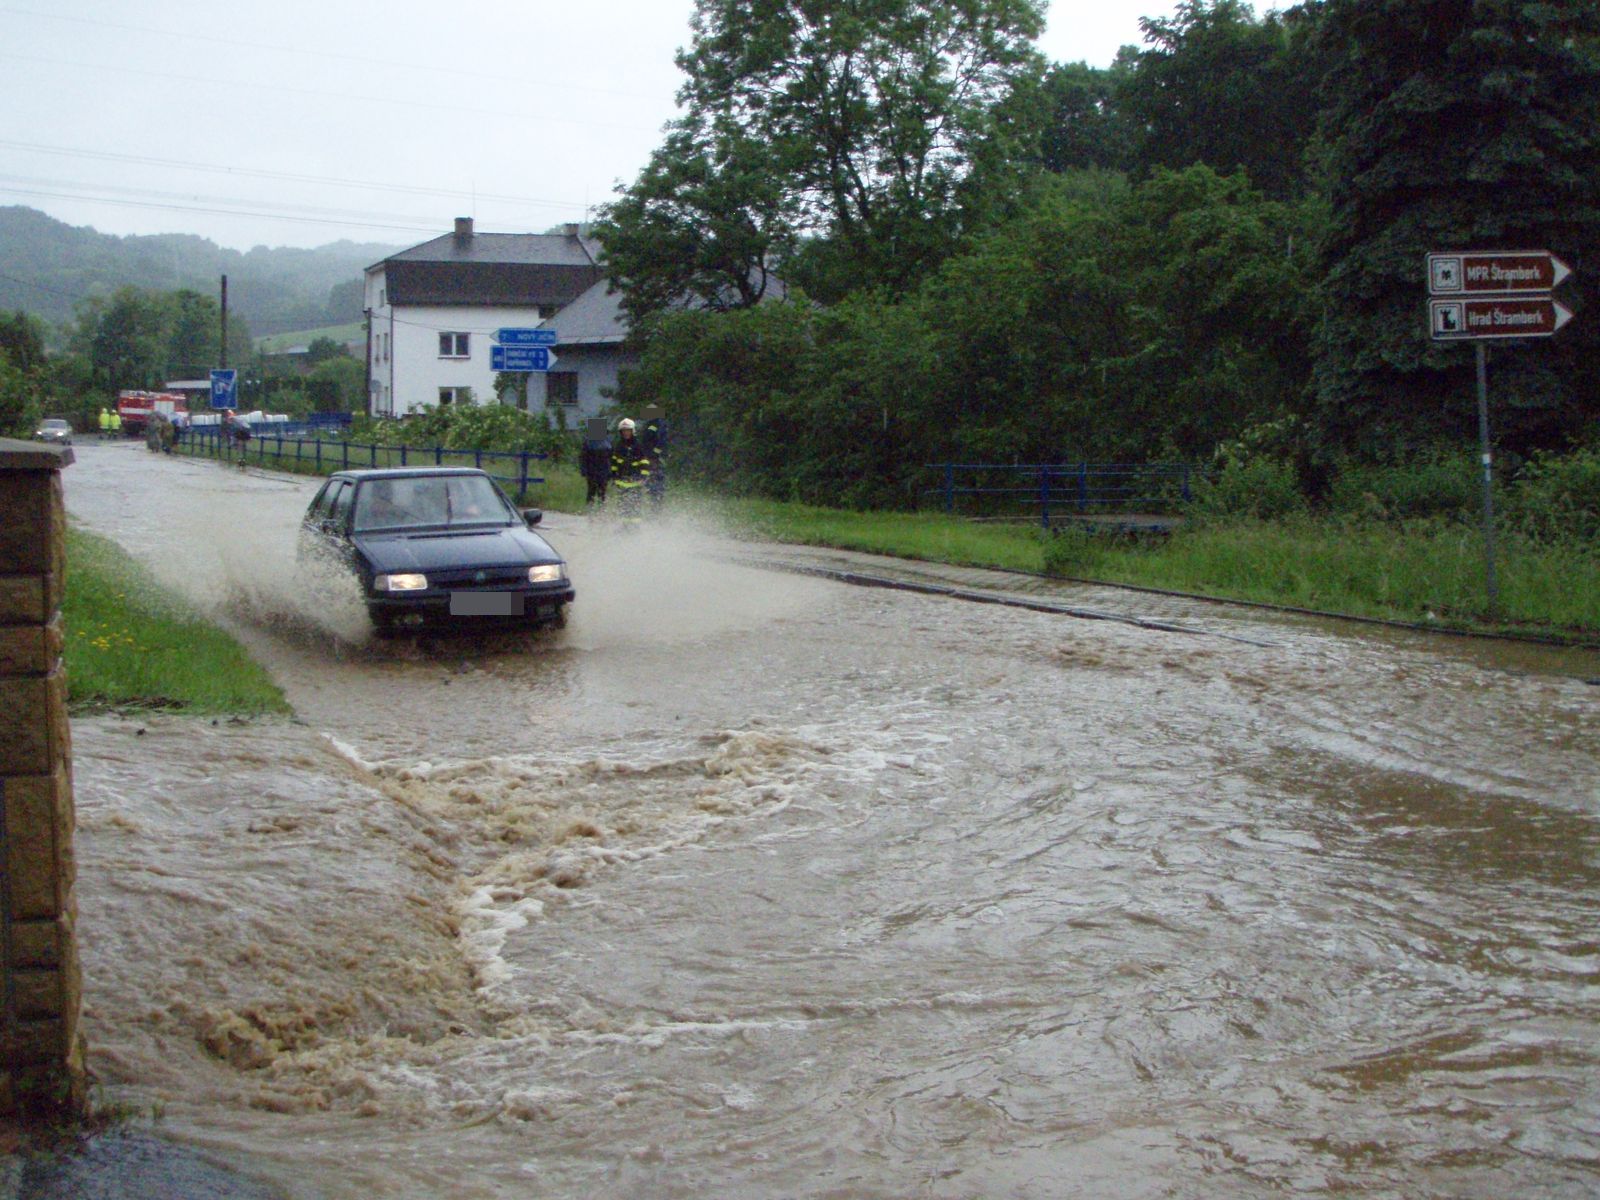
[[436, 550]]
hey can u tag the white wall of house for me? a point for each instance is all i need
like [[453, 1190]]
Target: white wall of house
[[596, 368], [409, 370], [412, 371]]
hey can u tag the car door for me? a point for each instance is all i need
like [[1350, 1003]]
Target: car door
[[325, 531]]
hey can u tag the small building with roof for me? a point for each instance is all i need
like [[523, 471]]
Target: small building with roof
[[433, 311]]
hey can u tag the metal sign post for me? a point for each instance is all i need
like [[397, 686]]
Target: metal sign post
[[1491, 586], [1478, 295]]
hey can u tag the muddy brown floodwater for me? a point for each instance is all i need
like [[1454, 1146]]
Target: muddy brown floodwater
[[750, 884]]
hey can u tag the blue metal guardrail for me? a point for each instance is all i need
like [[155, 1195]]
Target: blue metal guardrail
[[342, 455], [1079, 487]]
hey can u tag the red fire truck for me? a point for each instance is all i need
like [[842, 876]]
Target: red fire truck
[[136, 408]]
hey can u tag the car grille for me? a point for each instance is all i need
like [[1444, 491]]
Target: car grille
[[486, 577]]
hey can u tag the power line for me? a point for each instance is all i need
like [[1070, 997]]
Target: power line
[[347, 215], [292, 177], [300, 51], [499, 114], [219, 212], [39, 287]]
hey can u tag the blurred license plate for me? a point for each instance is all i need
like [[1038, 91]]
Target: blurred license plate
[[485, 604]]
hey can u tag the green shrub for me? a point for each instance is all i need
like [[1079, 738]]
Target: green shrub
[[469, 427], [1557, 498], [1072, 550], [19, 401], [1262, 487], [1445, 483]]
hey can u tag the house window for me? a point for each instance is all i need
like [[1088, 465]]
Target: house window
[[455, 345], [383, 297], [561, 387], [455, 395]]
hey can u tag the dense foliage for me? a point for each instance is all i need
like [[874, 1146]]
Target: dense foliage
[[1103, 322], [468, 427], [1454, 124], [1211, 250], [852, 140], [136, 338]]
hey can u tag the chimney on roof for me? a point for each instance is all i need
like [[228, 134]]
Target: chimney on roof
[[463, 230], [571, 229]]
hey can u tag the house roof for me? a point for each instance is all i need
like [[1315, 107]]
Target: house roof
[[502, 285], [493, 269], [593, 319], [540, 249], [596, 317]]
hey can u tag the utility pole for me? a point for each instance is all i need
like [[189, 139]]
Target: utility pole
[[222, 360]]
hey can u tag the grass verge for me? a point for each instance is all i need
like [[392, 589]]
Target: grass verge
[[132, 644], [1427, 573]]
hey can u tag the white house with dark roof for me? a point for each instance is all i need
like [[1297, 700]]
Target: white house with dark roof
[[433, 311]]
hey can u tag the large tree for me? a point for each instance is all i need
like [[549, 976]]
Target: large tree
[[194, 326], [1217, 86], [22, 340], [1085, 125], [1455, 124], [707, 220], [868, 125], [136, 338], [124, 337]]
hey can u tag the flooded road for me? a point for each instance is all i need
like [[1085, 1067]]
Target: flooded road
[[750, 884]]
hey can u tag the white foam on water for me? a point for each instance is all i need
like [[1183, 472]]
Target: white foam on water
[[670, 580]]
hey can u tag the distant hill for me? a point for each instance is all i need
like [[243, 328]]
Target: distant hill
[[46, 266]]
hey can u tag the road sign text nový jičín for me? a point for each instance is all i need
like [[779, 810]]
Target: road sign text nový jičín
[[525, 337]]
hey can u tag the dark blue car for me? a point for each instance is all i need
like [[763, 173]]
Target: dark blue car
[[437, 547]]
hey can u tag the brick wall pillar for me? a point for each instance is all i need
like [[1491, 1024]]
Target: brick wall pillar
[[41, 1050]]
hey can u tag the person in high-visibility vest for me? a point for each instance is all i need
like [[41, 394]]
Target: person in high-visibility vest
[[654, 444], [105, 422], [116, 422], [630, 469]]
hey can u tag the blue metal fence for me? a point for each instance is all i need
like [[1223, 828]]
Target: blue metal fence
[[324, 457], [1080, 488]]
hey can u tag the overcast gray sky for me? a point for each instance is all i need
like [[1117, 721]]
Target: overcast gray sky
[[300, 122]]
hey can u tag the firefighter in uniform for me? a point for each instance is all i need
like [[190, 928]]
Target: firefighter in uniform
[[655, 444], [630, 469]]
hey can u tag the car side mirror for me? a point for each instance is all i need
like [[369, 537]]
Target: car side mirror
[[532, 516]]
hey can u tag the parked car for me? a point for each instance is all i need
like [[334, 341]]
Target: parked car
[[54, 429], [437, 547]]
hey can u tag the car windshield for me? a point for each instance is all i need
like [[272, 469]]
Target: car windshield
[[430, 501], [55, 425]]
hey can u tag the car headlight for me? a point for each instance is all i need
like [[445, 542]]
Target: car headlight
[[400, 583], [547, 573]]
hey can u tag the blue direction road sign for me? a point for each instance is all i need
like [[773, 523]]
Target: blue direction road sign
[[520, 358], [525, 337], [224, 388]]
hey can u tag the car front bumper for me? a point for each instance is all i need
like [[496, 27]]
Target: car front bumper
[[438, 608]]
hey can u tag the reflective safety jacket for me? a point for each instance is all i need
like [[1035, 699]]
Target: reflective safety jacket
[[630, 464]]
